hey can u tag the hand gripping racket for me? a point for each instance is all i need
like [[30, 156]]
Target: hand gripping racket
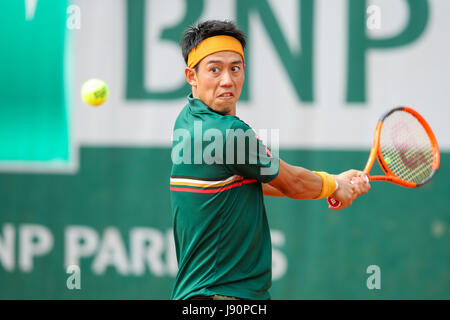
[[405, 148]]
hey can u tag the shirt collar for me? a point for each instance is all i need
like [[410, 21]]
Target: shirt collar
[[198, 106]]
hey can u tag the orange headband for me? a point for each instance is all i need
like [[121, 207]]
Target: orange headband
[[212, 45]]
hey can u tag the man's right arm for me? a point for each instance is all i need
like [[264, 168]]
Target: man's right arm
[[301, 184]]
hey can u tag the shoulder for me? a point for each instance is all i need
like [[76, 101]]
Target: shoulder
[[237, 123], [226, 124]]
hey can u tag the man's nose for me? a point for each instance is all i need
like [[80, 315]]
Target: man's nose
[[226, 80]]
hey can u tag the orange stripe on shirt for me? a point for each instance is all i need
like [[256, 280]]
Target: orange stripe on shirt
[[236, 184], [193, 184]]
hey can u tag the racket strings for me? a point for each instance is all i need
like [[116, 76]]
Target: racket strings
[[406, 147]]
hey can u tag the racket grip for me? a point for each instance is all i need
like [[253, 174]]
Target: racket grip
[[333, 202], [336, 203]]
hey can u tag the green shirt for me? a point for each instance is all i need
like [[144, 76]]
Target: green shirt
[[222, 237]]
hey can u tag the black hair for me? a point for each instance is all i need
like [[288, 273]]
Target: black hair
[[196, 33]]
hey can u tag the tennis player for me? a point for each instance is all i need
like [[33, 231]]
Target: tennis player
[[221, 232]]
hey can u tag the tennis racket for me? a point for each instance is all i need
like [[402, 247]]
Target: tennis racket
[[405, 148]]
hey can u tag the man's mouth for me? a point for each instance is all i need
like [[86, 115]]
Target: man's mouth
[[226, 95]]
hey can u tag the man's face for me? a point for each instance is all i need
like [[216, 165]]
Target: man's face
[[218, 81]]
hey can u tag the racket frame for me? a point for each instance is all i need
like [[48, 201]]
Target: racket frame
[[375, 152]]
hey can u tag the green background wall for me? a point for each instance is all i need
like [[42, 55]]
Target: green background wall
[[314, 72]]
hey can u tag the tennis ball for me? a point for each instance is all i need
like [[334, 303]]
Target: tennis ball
[[94, 92], [388, 160]]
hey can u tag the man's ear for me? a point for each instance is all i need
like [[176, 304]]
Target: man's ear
[[191, 76]]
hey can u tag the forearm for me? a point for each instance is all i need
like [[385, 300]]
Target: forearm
[[308, 185], [270, 191], [297, 182]]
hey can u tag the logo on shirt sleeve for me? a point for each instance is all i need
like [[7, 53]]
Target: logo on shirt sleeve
[[268, 152]]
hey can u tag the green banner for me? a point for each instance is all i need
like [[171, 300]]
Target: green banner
[[113, 220], [33, 101]]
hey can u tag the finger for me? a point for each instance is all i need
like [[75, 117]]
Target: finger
[[361, 180], [362, 188], [366, 187], [357, 173], [364, 178], [356, 179]]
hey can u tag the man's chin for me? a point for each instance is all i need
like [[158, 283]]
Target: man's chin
[[225, 108], [223, 112]]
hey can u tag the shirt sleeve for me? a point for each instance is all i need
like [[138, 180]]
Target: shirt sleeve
[[246, 154]]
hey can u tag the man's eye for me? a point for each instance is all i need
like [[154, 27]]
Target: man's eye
[[214, 69], [235, 68]]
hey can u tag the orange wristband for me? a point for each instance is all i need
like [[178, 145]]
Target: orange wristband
[[329, 185]]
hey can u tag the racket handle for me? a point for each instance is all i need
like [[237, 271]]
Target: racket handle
[[335, 203]]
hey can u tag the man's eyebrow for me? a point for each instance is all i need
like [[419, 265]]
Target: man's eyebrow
[[220, 61]]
